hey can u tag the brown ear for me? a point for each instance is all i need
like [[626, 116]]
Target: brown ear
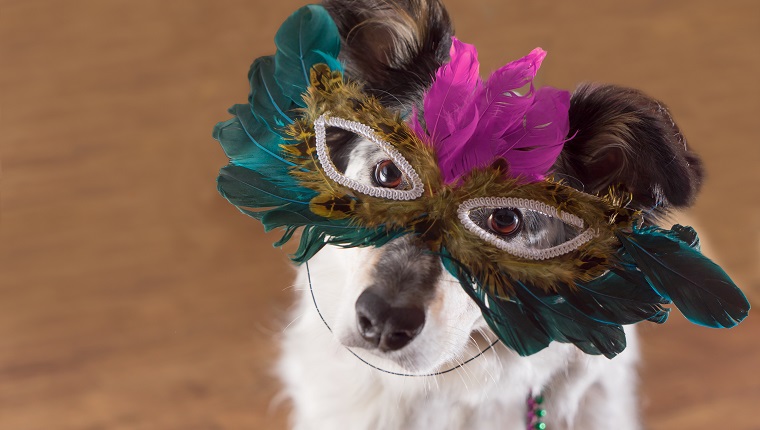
[[393, 47], [622, 136]]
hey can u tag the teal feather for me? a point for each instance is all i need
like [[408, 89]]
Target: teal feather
[[615, 298], [249, 144], [686, 234], [248, 188], [531, 320], [308, 37], [699, 288], [508, 319], [268, 103], [253, 138], [564, 323], [258, 180], [514, 325]]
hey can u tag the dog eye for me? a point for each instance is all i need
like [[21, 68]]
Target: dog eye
[[386, 173], [524, 228], [504, 222]]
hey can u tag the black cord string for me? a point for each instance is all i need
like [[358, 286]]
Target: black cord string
[[314, 299]]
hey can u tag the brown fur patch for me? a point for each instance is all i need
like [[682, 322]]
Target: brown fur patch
[[392, 48], [621, 136]]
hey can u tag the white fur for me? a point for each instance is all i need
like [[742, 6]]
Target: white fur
[[332, 389]]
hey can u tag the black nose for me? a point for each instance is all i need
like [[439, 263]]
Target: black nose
[[388, 327]]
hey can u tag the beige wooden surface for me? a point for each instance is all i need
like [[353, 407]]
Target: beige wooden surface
[[133, 297]]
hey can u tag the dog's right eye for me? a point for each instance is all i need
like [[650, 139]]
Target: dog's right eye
[[392, 177], [387, 175]]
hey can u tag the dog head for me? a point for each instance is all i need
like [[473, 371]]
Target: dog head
[[396, 303]]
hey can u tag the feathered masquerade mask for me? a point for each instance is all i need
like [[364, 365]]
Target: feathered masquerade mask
[[464, 175]]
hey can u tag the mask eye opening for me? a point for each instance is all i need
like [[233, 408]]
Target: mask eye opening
[[409, 174], [498, 203]]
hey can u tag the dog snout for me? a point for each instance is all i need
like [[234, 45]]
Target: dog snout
[[385, 324]]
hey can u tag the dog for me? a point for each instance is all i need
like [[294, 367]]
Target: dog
[[385, 338]]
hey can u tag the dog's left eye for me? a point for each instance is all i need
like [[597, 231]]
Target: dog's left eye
[[390, 177], [524, 228], [505, 221]]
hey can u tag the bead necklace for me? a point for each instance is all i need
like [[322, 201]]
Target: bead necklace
[[536, 413]]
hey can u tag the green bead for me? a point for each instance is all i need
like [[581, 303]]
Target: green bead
[[539, 399], [540, 426], [541, 413]]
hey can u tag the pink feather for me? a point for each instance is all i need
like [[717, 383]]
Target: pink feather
[[471, 124], [449, 107], [532, 147], [502, 106]]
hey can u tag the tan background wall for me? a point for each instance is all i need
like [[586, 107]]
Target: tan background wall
[[133, 297]]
